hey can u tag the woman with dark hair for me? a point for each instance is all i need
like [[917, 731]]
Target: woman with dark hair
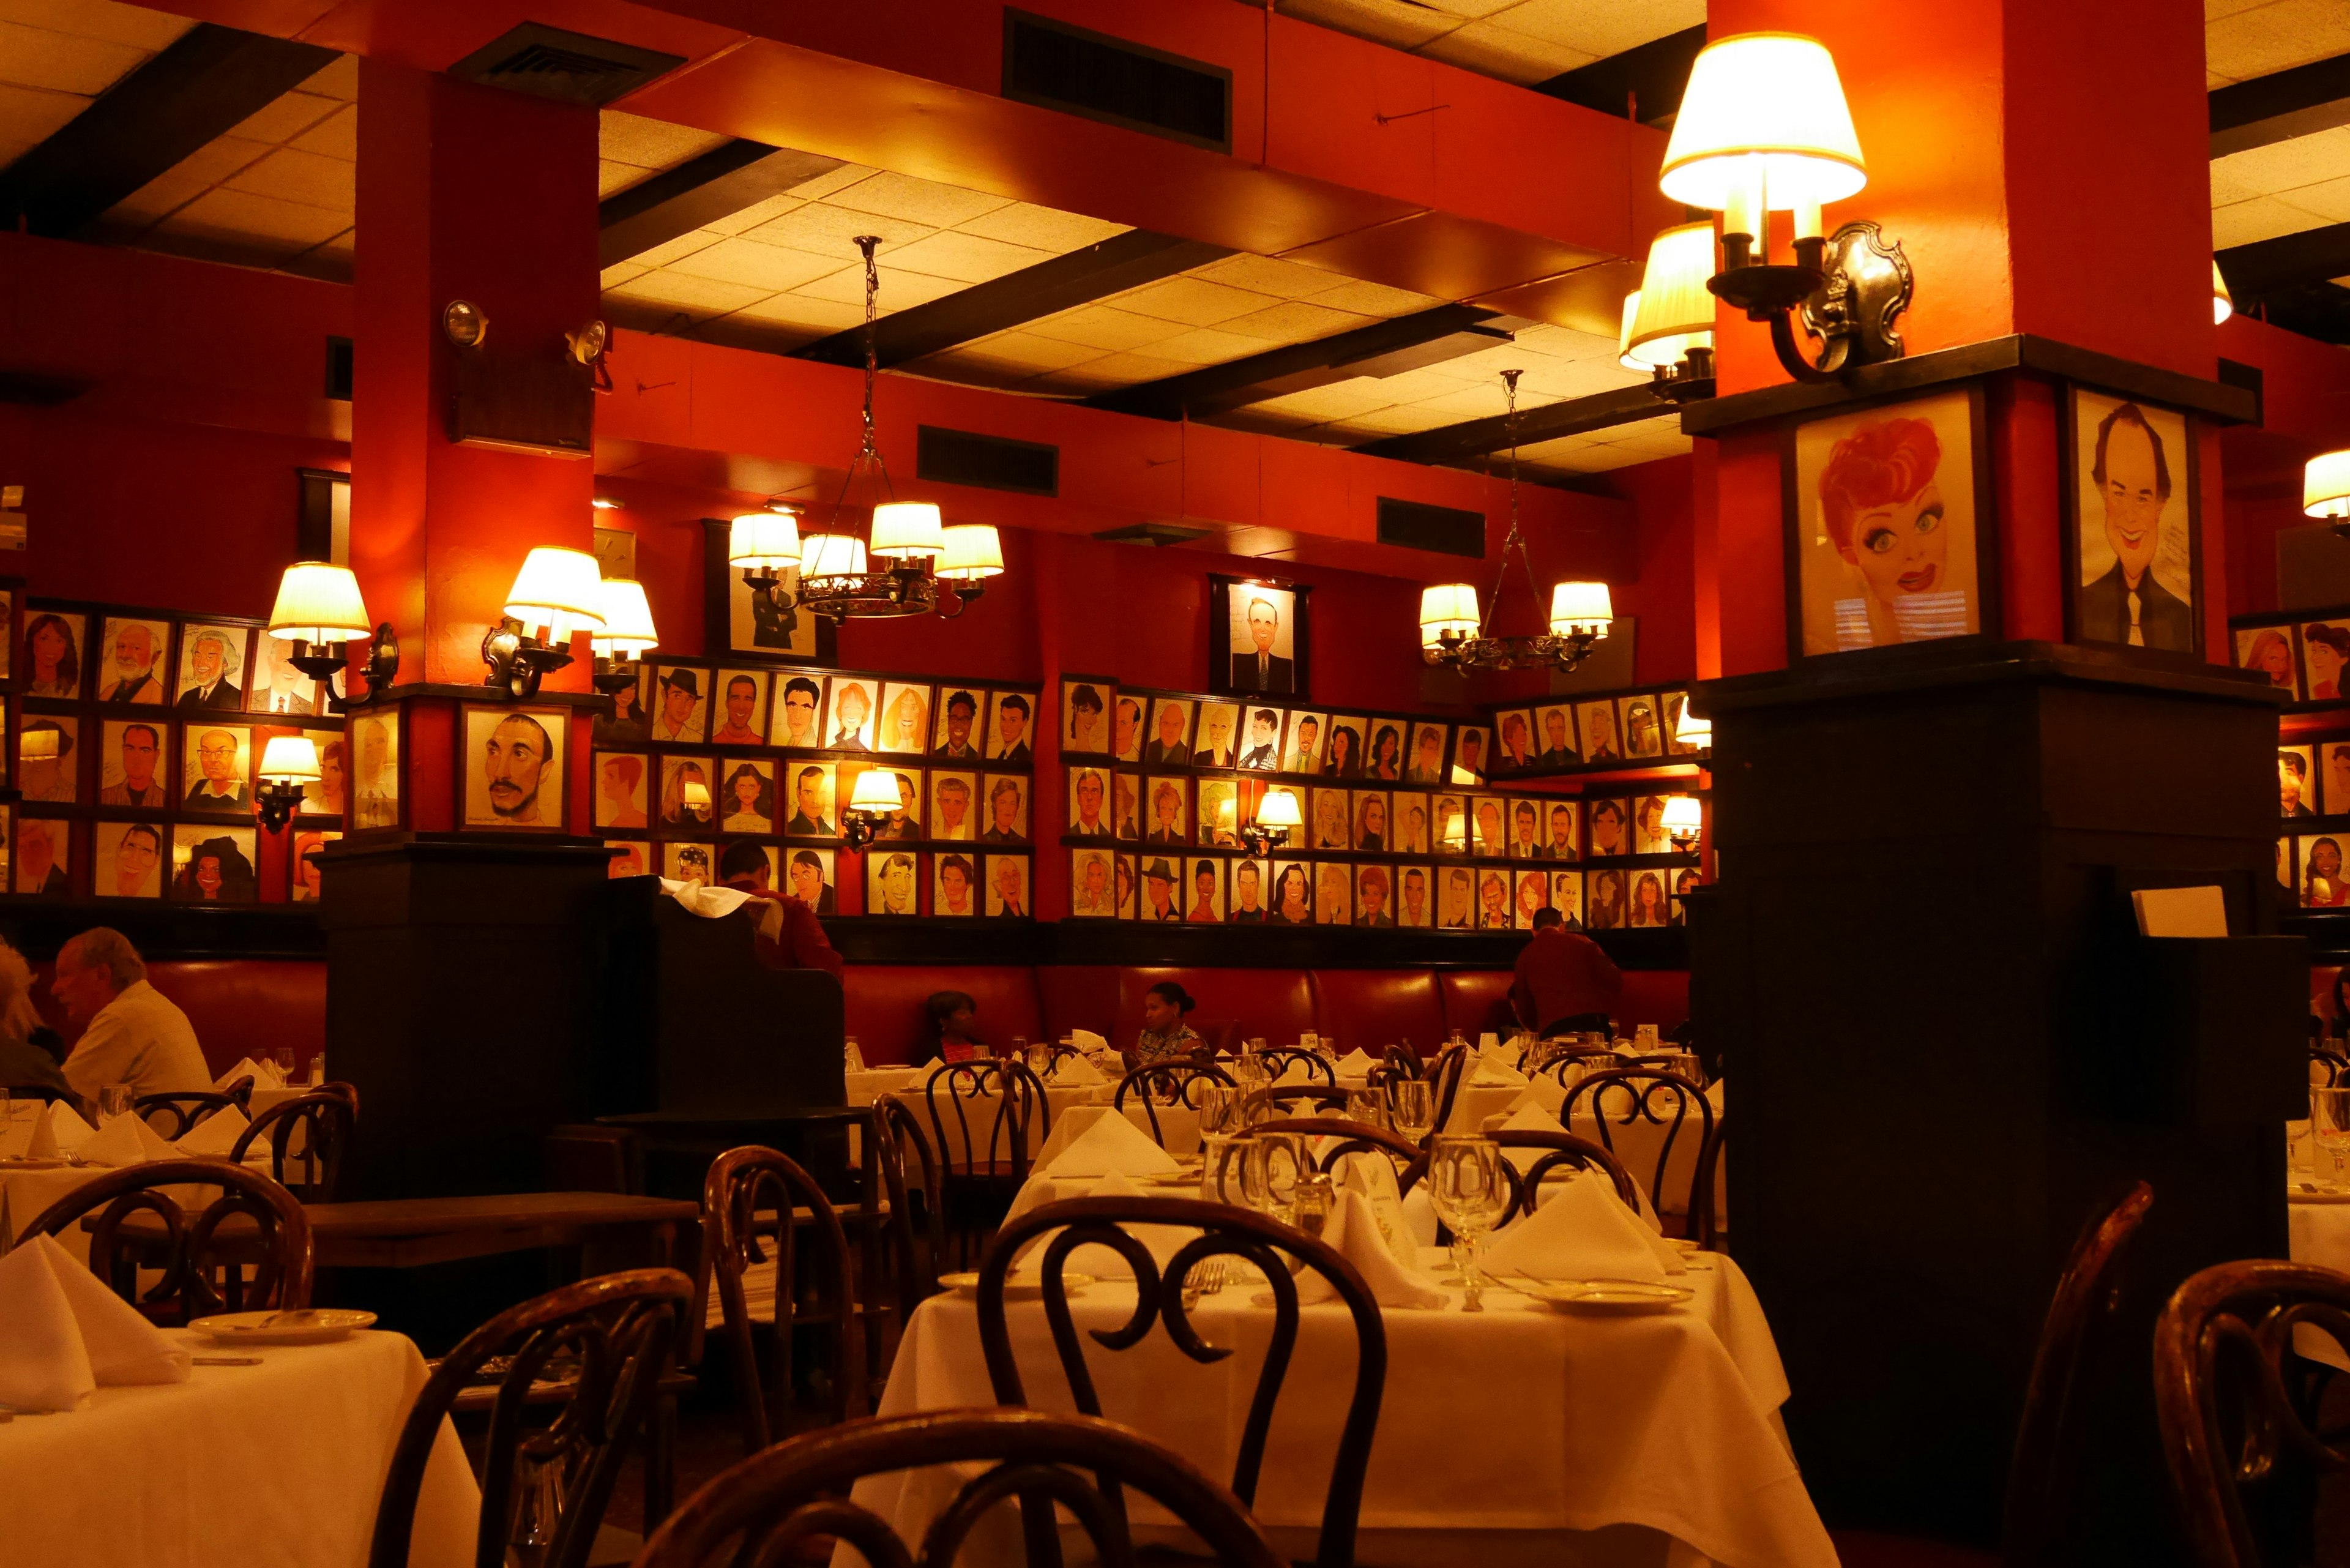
[[217, 873], [1165, 1036], [1386, 753], [2325, 645], [1648, 900], [750, 800], [56, 663], [1605, 908], [955, 1035], [627, 720], [1293, 898], [2322, 887], [1345, 760]]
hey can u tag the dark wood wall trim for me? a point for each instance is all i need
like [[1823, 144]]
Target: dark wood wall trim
[[170, 934], [1127, 944]]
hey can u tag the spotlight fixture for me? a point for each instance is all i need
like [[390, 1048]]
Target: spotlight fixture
[[628, 635], [319, 612], [1684, 820], [1453, 631], [873, 802], [1669, 319], [1763, 127], [558, 592], [287, 764], [1277, 817]]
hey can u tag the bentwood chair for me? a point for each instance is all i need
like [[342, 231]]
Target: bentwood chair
[[1280, 1059], [1560, 1151], [759, 1211], [1397, 1062], [778, 1506], [1622, 1097], [183, 1111], [913, 1245], [1707, 1225], [262, 1262], [590, 1357], [1260, 1102], [1444, 1081], [1352, 1138], [1167, 1083], [1161, 1295], [321, 1123], [999, 1114], [2328, 1068]]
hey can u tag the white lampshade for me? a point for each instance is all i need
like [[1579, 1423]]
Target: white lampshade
[[1456, 831], [559, 588], [1675, 312], [1763, 109], [38, 743], [2223, 303], [1623, 333], [972, 551], [318, 603], [1693, 730], [1448, 608], [628, 622], [907, 530], [1577, 607], [290, 758], [1279, 809], [877, 789], [764, 541], [1683, 815], [2326, 485], [832, 555]]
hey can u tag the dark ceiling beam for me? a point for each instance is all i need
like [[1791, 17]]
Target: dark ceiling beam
[[2313, 255], [205, 84], [1643, 83], [721, 181], [1482, 438], [1381, 349], [1095, 271], [2301, 101]]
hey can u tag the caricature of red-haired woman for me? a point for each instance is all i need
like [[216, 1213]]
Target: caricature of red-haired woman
[[1884, 514]]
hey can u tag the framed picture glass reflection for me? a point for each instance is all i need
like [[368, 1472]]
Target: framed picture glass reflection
[[54, 640], [2270, 650]]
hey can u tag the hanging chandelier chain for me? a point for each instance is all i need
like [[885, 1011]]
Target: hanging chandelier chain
[[1514, 543]]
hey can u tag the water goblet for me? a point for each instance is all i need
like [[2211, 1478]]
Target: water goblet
[[2329, 1124], [1411, 1108], [114, 1100], [1367, 1106], [1215, 1103], [1273, 1165], [1468, 1191]]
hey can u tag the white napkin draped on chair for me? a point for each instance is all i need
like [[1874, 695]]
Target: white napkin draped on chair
[[63, 1334], [1582, 1230]]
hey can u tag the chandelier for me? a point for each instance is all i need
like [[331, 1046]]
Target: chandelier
[[1452, 627], [909, 563]]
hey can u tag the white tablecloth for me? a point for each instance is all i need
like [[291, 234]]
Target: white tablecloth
[[275, 1465], [1637, 1144], [1514, 1435]]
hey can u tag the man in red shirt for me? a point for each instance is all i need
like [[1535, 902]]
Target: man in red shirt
[[799, 942], [1562, 975]]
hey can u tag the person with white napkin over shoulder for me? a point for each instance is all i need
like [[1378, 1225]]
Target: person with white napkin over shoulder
[[131, 1032]]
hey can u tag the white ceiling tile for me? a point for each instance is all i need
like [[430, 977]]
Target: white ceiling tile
[[618, 272], [29, 116], [305, 177], [1295, 321], [1603, 29], [1269, 274], [339, 80], [285, 117], [1410, 385], [2261, 218], [899, 291], [912, 201], [1103, 328], [964, 257], [1469, 10], [2276, 36], [632, 138], [100, 19], [1399, 23], [337, 136], [2281, 166], [2215, 9], [1040, 228], [1340, 399], [768, 268], [757, 214], [816, 187], [1495, 51], [614, 178], [1191, 301], [1576, 378], [1127, 370], [696, 296], [1024, 350], [1373, 299], [1471, 402], [824, 230], [685, 244], [1206, 345], [61, 62], [1394, 420], [238, 216], [817, 317], [191, 177], [2329, 199]]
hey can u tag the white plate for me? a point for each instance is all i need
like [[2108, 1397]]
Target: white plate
[[1604, 1298], [967, 1285], [311, 1325]]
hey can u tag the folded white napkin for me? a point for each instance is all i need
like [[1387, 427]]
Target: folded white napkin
[[64, 1335], [265, 1075], [1580, 1231], [1111, 1146], [1086, 1041], [1354, 1233], [1374, 1176], [1354, 1064], [1074, 1070], [1487, 1042], [1494, 1072], [59, 1131], [126, 1140], [216, 1134], [1296, 1075]]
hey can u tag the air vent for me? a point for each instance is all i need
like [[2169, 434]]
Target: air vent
[[986, 461], [1417, 526], [570, 67], [1054, 66], [1152, 534]]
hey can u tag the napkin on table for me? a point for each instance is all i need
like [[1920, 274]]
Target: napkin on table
[[1354, 1232], [1296, 1075], [1074, 1070], [1374, 1176], [59, 1131], [217, 1134], [1086, 1041], [265, 1075], [1495, 1070], [1354, 1064], [1582, 1232], [1112, 1145], [126, 1140], [63, 1334]]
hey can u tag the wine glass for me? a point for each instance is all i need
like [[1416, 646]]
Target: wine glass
[[1215, 1103], [1411, 1108], [114, 1100], [1218, 1152], [1368, 1106], [1272, 1167], [2329, 1122], [1468, 1191]]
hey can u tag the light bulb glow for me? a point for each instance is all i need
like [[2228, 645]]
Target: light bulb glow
[[832, 555], [972, 551], [291, 759], [2325, 486], [1448, 608], [1683, 815], [628, 622], [1675, 312], [559, 588], [875, 791], [907, 531], [1279, 809], [2223, 303]]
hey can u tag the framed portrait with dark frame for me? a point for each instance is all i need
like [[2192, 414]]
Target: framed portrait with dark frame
[[743, 627], [2133, 515], [1260, 640], [1890, 521], [511, 768], [377, 745]]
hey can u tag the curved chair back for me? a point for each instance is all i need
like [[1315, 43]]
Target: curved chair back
[[1354, 1137], [775, 1506], [200, 1272], [1397, 1062], [1167, 1083], [1280, 1059], [1632, 1094], [917, 1228], [1225, 1231], [753, 1195], [1560, 1149], [1275, 1102], [999, 1098], [181, 1112], [1452, 1066], [1706, 1222], [610, 1338], [325, 1122], [2328, 1068]]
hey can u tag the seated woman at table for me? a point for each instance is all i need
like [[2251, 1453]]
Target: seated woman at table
[[1165, 1036], [29, 1049], [955, 1035]]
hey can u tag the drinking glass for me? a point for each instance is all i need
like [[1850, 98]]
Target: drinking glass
[[114, 1100], [283, 1060], [1468, 1191], [1367, 1106], [1411, 1108], [2329, 1122], [1215, 1103], [1218, 1153], [1326, 1047], [1315, 1197], [852, 1055], [1272, 1167]]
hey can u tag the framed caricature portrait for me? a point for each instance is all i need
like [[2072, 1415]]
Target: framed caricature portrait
[[1219, 736], [43, 856], [1334, 894], [1562, 829], [513, 768], [2334, 772], [2133, 541], [1374, 895], [1529, 895], [1127, 727], [956, 732], [954, 796], [1170, 732], [1258, 641], [1245, 905], [680, 704], [1472, 754], [1291, 902], [1675, 705], [1004, 799], [375, 773], [1088, 803], [305, 872], [1218, 819], [954, 886], [1685, 879], [1093, 885], [1203, 889], [1884, 509], [1329, 821], [689, 863], [1448, 825], [1554, 735], [1424, 755], [756, 627], [215, 768], [212, 666], [48, 760], [1456, 898], [1343, 753], [848, 725], [795, 719], [1493, 899], [622, 779], [1169, 812], [906, 822], [1604, 901], [277, 687], [1301, 747], [741, 717], [1650, 905], [1007, 887], [809, 791], [1514, 731], [2297, 790], [1010, 725], [2326, 652], [893, 884], [54, 641], [128, 859], [2269, 649], [1602, 743], [1373, 826], [1129, 887], [2319, 859], [746, 795], [631, 857], [1649, 834], [329, 794], [1525, 829], [1489, 829], [214, 865], [132, 769], [1125, 805], [1407, 823], [1639, 727], [1383, 751], [1415, 897], [1161, 900], [808, 876], [1566, 896], [689, 793], [1086, 703], [134, 656], [905, 727], [1260, 746], [1609, 823]]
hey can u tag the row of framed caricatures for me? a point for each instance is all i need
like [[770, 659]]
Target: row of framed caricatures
[[1166, 886], [1100, 719], [2313, 785], [836, 712], [1891, 536], [1589, 733], [2307, 655]]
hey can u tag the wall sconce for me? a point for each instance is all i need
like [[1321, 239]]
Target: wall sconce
[[1763, 127], [2326, 490], [873, 802], [319, 611], [557, 591], [628, 635], [1684, 820], [287, 764], [1276, 818], [1669, 319], [2223, 303], [1454, 839], [1693, 732]]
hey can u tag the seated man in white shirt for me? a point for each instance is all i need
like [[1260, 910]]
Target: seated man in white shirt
[[131, 1034]]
